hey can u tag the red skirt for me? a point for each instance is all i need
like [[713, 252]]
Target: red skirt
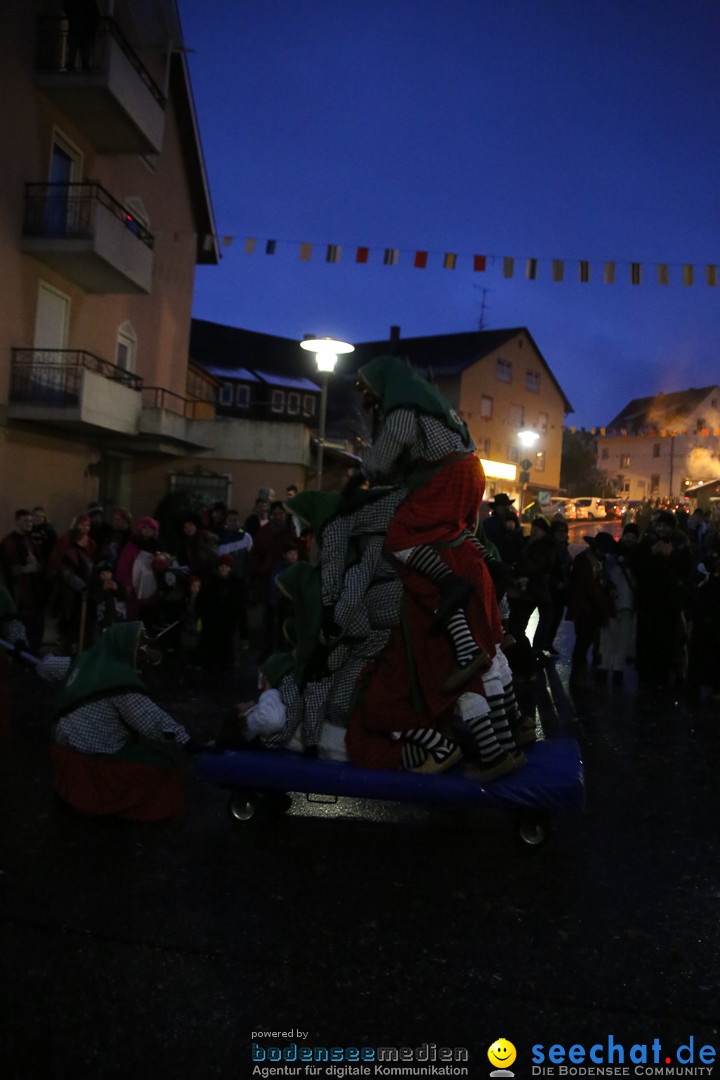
[[107, 785], [405, 686], [442, 508]]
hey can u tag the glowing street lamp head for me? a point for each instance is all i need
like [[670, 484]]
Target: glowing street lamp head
[[326, 351], [527, 438]]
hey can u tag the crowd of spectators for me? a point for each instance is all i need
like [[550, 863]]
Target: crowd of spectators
[[647, 598], [195, 581]]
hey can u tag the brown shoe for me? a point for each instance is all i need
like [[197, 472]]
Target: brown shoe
[[485, 773], [432, 765], [478, 665]]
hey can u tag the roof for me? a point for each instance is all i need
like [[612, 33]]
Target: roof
[[239, 373], [445, 355], [660, 411]]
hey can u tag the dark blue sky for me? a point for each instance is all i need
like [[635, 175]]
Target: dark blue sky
[[564, 129]]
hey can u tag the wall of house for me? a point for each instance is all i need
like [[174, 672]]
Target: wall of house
[[496, 437], [42, 470]]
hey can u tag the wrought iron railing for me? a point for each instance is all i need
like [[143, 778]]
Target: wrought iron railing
[[67, 211], [53, 376], [157, 397], [62, 47]]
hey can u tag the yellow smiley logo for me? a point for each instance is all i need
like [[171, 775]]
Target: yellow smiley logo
[[502, 1053]]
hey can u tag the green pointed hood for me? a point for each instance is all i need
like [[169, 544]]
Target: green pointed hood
[[398, 386], [107, 667]]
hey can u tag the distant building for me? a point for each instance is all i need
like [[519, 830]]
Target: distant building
[[658, 447]]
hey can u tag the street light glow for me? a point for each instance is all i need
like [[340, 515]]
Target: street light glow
[[326, 351]]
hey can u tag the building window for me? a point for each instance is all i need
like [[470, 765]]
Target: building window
[[486, 407], [624, 461], [503, 370], [656, 449], [277, 402], [539, 461], [242, 396], [543, 421], [225, 396], [513, 453], [655, 482], [516, 416], [626, 487], [700, 423], [532, 381], [125, 347], [605, 453], [293, 404], [485, 446], [308, 405]]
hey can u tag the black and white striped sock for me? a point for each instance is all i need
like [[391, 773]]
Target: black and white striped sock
[[499, 721], [489, 748], [463, 642], [428, 563]]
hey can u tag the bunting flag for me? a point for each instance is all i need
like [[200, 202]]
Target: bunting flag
[[451, 260]]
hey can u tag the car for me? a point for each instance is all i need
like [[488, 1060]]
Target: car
[[564, 507], [613, 508], [590, 507]]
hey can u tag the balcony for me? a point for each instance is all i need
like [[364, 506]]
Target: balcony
[[74, 390], [168, 423], [84, 233], [101, 85]]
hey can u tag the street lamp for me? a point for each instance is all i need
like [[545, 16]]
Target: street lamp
[[527, 439], [326, 352]]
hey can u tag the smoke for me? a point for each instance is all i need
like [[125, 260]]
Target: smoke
[[702, 465]]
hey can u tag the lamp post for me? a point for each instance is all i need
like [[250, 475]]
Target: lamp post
[[326, 352], [527, 439]]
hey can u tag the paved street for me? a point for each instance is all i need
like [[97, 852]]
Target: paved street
[[131, 950]]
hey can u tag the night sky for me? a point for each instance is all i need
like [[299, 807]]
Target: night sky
[[560, 130]]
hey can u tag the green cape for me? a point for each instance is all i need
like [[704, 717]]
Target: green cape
[[106, 667], [301, 582], [315, 508], [398, 386]]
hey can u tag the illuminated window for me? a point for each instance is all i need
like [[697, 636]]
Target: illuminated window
[[624, 461], [539, 461]]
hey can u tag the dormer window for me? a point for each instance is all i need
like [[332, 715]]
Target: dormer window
[[277, 401]]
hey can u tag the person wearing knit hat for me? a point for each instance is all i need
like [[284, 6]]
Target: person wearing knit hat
[[137, 566]]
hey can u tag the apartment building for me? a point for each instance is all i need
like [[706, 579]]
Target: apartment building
[[658, 447], [104, 215]]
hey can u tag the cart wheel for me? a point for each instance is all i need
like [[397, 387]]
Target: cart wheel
[[534, 829], [242, 805]]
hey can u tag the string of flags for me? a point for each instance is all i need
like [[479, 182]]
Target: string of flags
[[654, 433], [687, 273]]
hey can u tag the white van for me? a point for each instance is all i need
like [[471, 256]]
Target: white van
[[590, 508]]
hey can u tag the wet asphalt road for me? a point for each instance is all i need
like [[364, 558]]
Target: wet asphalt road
[[133, 950]]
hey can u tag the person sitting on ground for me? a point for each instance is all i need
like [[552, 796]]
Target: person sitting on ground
[[111, 743]]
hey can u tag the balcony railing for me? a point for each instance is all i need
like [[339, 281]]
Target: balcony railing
[[54, 376], [157, 397], [60, 49], [67, 211]]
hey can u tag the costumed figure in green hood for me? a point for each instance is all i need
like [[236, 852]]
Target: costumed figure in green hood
[[421, 443], [110, 740]]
